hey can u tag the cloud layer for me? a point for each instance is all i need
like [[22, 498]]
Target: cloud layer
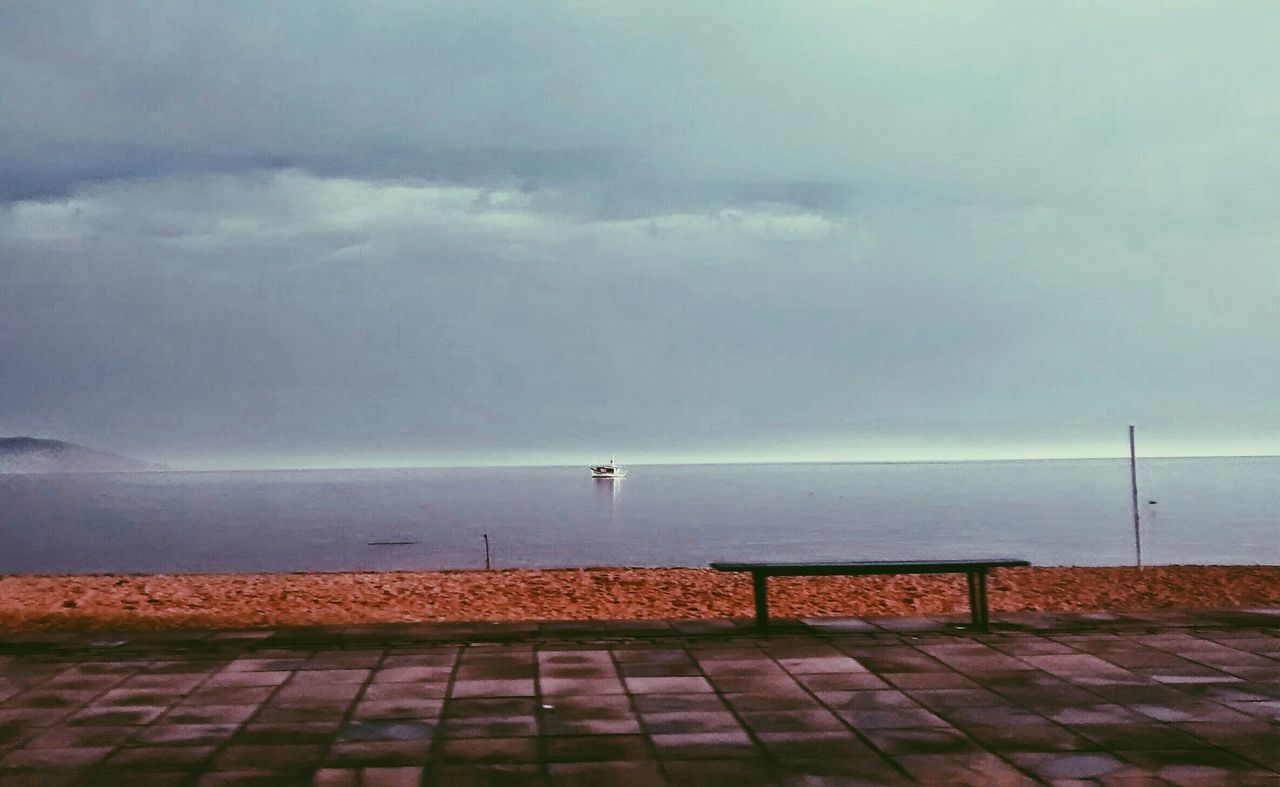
[[751, 230]]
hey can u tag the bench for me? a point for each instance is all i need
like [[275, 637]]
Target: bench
[[976, 570]]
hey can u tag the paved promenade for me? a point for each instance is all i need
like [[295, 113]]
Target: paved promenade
[[1169, 698]]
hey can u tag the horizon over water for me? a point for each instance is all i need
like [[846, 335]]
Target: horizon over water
[[418, 464], [891, 449], [1053, 512]]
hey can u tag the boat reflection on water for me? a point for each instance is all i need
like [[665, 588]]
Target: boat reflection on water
[[608, 480], [608, 489]]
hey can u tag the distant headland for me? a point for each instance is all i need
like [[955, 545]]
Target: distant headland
[[33, 455]]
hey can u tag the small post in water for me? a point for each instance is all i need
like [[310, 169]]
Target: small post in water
[[1133, 482], [486, 550]]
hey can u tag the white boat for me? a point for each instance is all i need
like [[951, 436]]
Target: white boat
[[611, 470]]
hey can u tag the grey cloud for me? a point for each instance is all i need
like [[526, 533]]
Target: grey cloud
[[287, 228], [988, 103]]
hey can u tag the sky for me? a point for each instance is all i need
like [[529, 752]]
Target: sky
[[243, 234]]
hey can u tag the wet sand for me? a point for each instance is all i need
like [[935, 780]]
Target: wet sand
[[155, 602]]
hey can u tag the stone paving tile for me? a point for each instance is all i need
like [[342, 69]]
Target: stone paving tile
[[430, 657], [1190, 709], [517, 687], [487, 750], [1266, 710], [251, 755], [552, 687], [108, 776], [74, 737], [705, 745], [834, 682], [689, 722], [667, 685], [1028, 737], [116, 715], [819, 745], [320, 733], [168, 682], [160, 758], [1096, 714], [496, 707], [1051, 696], [614, 726], [871, 699], [27, 718], [228, 695], [922, 741], [258, 777], [417, 674], [792, 721], [495, 672], [295, 695], [366, 754], [71, 756], [1141, 737], [314, 715], [701, 772], [344, 663], [839, 770], [762, 685], [644, 669], [1168, 700], [685, 703], [391, 777], [490, 727], [892, 718], [264, 665], [246, 679], [634, 772], [206, 714], [1062, 766], [592, 748], [398, 709], [938, 700], [46, 699], [486, 775]]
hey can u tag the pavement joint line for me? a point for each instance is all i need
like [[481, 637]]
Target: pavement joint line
[[650, 745], [433, 752], [540, 707]]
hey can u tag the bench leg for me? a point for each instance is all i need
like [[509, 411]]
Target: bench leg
[[978, 600], [973, 598], [760, 585]]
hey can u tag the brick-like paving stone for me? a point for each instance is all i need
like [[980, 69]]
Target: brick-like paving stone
[[1181, 698]]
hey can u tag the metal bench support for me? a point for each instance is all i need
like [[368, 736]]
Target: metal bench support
[[975, 572], [978, 600], [760, 582]]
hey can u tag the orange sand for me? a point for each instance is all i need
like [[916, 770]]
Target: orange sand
[[102, 602]]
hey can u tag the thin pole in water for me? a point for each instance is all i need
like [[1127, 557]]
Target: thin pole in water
[[1133, 482], [486, 551]]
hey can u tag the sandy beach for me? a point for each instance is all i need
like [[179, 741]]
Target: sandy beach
[[154, 602]]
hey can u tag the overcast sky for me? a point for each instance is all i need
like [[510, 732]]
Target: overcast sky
[[245, 233]]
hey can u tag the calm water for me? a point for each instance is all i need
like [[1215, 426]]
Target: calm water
[[1053, 512]]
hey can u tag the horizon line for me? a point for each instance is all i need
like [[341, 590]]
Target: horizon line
[[531, 465]]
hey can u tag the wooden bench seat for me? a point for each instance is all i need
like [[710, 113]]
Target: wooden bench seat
[[976, 570]]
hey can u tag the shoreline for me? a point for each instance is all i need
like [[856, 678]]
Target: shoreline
[[154, 602]]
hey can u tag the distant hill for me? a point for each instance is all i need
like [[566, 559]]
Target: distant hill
[[32, 455]]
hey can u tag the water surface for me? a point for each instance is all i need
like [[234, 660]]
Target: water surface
[[1076, 512]]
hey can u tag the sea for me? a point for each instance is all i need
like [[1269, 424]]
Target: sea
[[1051, 512]]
